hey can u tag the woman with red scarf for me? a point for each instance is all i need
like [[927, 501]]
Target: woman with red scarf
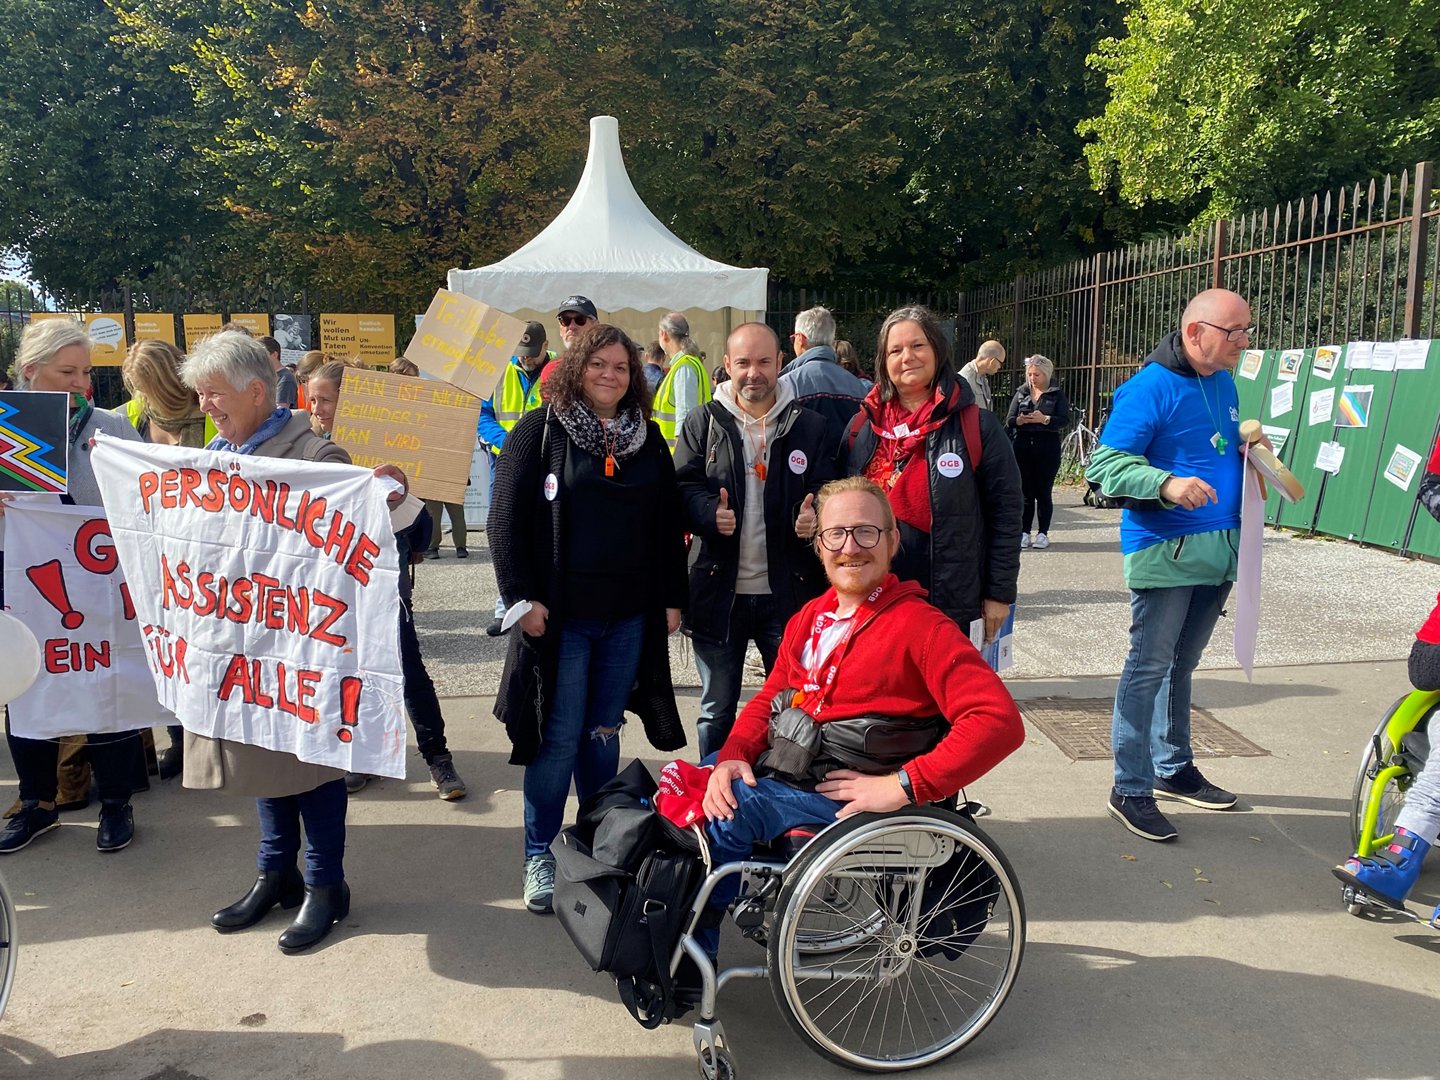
[[948, 469]]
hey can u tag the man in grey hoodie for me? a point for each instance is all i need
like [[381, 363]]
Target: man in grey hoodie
[[749, 463]]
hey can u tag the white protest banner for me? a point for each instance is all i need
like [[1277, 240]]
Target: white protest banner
[[267, 593], [63, 581]]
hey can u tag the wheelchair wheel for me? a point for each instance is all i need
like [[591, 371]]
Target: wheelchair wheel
[[9, 946], [897, 939], [1382, 770]]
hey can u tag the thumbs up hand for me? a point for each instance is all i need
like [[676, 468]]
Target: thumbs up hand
[[806, 521], [724, 516]]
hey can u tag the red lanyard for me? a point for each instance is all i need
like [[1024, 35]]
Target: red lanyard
[[814, 693]]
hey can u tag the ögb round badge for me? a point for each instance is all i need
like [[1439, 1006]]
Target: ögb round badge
[[552, 487], [798, 461], [951, 465]]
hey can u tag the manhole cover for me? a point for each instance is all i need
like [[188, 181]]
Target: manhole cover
[[1081, 728]]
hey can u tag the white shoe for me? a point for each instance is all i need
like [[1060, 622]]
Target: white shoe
[[1024, 541], [1042, 542]]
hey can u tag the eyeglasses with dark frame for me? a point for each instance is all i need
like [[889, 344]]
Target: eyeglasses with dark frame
[[1231, 335], [866, 536], [574, 320]]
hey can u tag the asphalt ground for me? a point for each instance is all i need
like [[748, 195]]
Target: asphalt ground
[[1225, 954]]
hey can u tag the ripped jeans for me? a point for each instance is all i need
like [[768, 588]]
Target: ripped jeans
[[581, 737]]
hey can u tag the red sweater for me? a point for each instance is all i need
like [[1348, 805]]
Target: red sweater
[[907, 659]]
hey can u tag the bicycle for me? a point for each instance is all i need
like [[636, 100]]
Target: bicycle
[[1077, 447]]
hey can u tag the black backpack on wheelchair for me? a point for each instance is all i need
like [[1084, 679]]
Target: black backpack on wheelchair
[[625, 883]]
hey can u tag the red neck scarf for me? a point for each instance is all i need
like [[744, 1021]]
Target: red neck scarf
[[900, 436]]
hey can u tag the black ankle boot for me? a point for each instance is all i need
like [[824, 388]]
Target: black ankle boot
[[283, 887], [324, 906]]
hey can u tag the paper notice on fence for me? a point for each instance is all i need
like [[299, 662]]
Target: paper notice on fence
[[424, 426], [1282, 399], [1410, 354], [1290, 361], [1353, 409], [1250, 362], [1322, 404], [1404, 464], [1358, 355], [1330, 457], [63, 581], [1383, 358], [465, 342], [1278, 436], [1327, 357], [267, 594]]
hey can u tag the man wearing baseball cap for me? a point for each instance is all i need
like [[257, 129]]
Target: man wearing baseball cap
[[576, 314], [517, 394]]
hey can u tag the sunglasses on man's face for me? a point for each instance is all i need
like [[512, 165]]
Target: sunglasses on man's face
[[574, 320]]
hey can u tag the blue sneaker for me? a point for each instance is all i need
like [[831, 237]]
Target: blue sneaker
[[1389, 874]]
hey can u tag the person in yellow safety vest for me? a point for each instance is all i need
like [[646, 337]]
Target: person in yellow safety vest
[[517, 394], [686, 384]]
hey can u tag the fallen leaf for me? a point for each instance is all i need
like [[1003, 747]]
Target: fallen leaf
[[1128, 858], [129, 983], [1206, 880], [253, 1020], [1167, 884], [1198, 870], [1210, 901], [1257, 839]]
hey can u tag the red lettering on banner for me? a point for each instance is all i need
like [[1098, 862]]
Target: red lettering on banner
[[63, 656], [168, 651], [127, 604], [96, 558], [261, 599], [293, 689], [217, 491]]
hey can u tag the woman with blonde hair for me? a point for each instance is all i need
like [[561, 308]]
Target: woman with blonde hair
[[161, 407], [1038, 414]]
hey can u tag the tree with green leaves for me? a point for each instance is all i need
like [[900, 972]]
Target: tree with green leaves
[[1224, 104]]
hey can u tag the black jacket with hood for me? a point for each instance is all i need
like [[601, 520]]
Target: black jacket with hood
[[972, 552], [710, 456]]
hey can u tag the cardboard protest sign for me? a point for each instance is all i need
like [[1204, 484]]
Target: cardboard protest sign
[[199, 327], [425, 427], [34, 440], [371, 338], [63, 581], [465, 342], [258, 323], [108, 342], [155, 326], [267, 595]]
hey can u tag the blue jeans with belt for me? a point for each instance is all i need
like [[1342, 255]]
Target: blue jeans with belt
[[1150, 728], [322, 810], [581, 736]]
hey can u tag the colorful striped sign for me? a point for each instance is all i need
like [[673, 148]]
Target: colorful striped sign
[[33, 441]]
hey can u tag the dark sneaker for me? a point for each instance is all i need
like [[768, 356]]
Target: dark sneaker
[[356, 781], [117, 826], [496, 628], [461, 553], [1189, 785], [435, 554], [446, 780], [172, 761], [1139, 814], [540, 884], [28, 823]]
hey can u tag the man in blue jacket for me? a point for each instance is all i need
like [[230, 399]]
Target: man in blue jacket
[[1170, 453], [818, 381]]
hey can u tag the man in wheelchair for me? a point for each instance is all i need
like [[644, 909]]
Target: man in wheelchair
[[877, 700]]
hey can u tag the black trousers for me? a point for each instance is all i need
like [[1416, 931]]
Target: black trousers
[[112, 757], [421, 701], [1039, 459]]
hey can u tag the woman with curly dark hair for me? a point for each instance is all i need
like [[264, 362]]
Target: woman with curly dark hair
[[586, 531]]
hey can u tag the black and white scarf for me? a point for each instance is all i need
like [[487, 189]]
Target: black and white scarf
[[626, 431]]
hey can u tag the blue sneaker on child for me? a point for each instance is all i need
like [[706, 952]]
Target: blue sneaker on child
[[1390, 873]]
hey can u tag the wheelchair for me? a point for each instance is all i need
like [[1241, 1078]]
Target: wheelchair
[[1395, 753], [891, 940], [9, 947]]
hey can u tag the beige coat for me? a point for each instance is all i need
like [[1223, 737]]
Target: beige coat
[[253, 770]]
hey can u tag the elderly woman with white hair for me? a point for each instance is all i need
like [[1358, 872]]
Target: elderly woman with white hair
[[54, 356], [1038, 414], [235, 380]]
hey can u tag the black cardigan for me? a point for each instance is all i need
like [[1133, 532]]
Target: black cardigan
[[524, 532]]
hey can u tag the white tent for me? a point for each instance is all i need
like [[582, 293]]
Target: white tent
[[607, 245]]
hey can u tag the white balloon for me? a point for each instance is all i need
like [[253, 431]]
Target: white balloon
[[22, 658]]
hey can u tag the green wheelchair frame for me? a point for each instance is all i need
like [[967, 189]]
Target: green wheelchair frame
[[1387, 771]]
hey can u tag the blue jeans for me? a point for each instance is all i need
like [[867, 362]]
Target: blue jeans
[[753, 617], [323, 811], [1150, 730], [581, 737]]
